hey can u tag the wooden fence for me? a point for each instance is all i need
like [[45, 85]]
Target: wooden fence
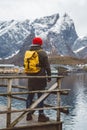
[[54, 89]]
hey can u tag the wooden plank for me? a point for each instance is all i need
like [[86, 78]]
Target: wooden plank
[[19, 98], [62, 91], [35, 109], [14, 86], [9, 102], [51, 125], [26, 77], [58, 99]]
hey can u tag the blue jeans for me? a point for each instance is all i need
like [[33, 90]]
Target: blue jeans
[[30, 99]]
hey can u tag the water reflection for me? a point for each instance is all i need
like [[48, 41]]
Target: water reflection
[[77, 99]]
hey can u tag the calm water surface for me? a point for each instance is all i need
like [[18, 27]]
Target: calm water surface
[[77, 100]]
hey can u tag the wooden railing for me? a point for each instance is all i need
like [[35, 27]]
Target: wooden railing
[[55, 89]]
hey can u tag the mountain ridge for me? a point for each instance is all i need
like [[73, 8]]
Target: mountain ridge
[[58, 33]]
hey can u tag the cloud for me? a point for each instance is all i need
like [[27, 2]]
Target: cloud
[[31, 9], [26, 8]]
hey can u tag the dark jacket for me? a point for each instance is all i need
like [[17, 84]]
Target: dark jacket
[[40, 83]]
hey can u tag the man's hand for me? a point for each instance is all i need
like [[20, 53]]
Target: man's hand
[[49, 79]]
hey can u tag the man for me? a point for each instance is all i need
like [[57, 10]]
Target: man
[[38, 83]]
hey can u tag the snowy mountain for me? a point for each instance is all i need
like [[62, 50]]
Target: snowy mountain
[[58, 33], [12, 34]]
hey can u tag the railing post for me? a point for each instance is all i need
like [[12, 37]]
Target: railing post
[[58, 102], [9, 87]]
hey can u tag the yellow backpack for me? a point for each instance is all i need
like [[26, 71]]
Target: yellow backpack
[[31, 62]]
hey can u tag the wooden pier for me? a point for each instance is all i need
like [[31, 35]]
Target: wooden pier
[[15, 119]]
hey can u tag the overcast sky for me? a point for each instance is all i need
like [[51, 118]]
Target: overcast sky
[[31, 9]]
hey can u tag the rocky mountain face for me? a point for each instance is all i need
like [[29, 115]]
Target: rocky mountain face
[[12, 34], [58, 33], [80, 47]]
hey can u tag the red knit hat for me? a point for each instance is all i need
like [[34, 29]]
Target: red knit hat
[[37, 40]]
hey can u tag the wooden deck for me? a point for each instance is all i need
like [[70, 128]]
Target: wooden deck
[[11, 119], [28, 125]]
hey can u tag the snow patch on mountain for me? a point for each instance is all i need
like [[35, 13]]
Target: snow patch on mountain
[[78, 50], [80, 47], [79, 43], [13, 54]]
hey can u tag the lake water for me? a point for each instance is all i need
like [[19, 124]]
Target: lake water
[[76, 99]]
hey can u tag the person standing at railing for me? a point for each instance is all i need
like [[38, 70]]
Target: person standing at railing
[[37, 83]]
